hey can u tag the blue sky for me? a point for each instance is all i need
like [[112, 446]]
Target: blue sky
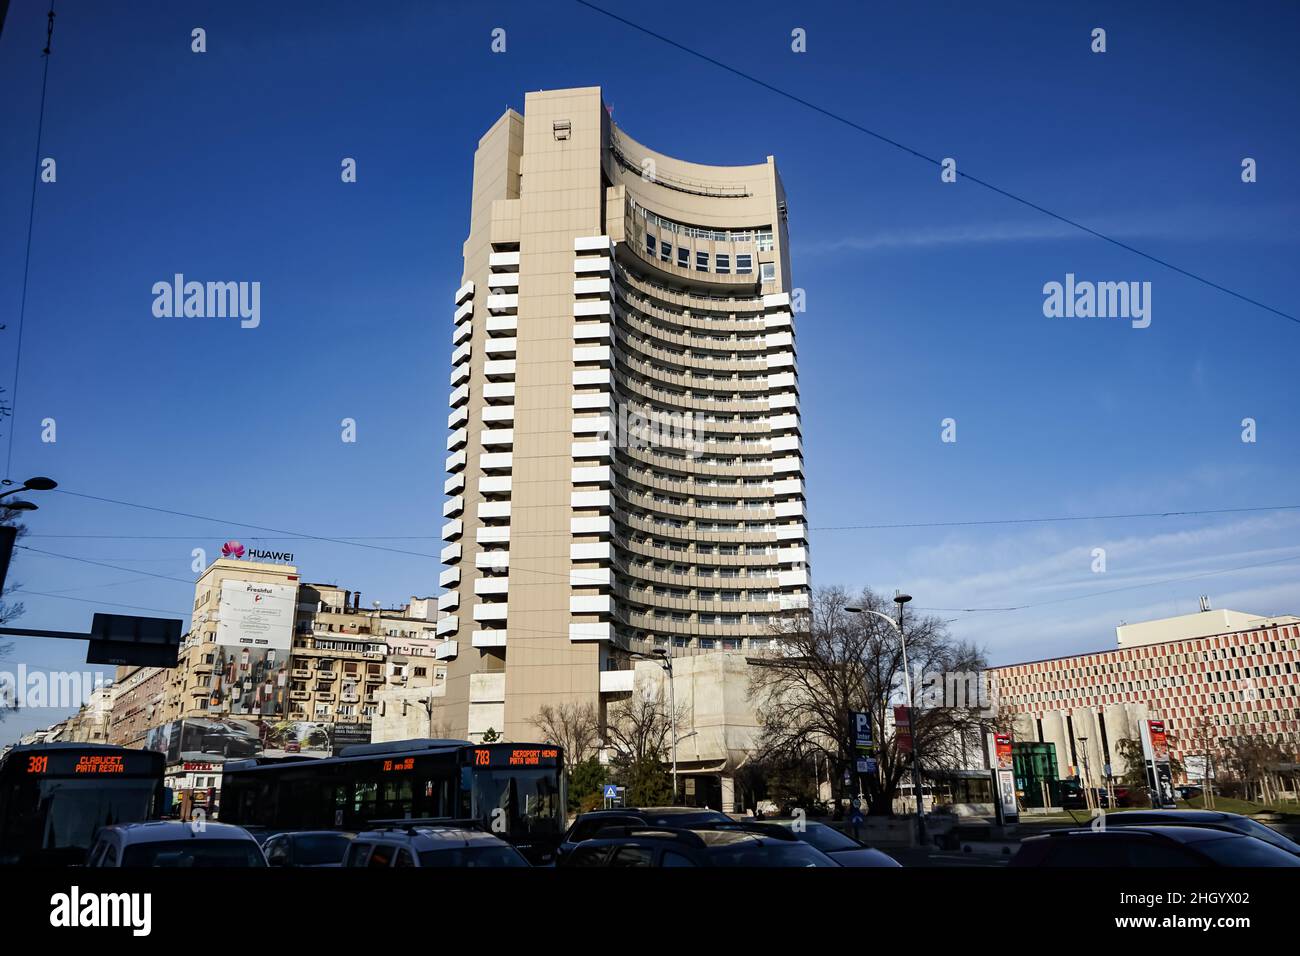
[[924, 298]]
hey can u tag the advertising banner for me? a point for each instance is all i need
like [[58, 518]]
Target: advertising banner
[[345, 735], [903, 729], [254, 639], [1155, 749], [1002, 748]]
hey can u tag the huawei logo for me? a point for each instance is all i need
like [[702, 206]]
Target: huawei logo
[[232, 549]]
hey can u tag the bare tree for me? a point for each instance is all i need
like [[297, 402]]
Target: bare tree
[[638, 727], [1256, 763], [639, 731], [572, 726], [831, 663]]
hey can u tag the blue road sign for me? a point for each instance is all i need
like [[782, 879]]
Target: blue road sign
[[611, 791]]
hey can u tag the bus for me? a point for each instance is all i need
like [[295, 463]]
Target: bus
[[55, 797], [516, 791]]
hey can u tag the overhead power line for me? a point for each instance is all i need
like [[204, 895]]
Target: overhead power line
[[360, 540], [1074, 223], [27, 255]]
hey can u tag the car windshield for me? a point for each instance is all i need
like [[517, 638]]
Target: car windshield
[[1245, 851], [194, 853], [319, 848], [1267, 834], [827, 839], [530, 799], [487, 856], [769, 854]]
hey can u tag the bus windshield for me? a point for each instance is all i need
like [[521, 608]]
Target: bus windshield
[[530, 799], [75, 809]]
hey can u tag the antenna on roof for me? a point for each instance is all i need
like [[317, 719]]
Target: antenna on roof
[[1205, 602]]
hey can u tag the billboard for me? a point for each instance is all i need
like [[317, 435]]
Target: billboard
[[250, 669], [213, 741], [257, 616]]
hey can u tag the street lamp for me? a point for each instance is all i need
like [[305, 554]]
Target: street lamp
[[31, 484], [665, 658], [901, 599]]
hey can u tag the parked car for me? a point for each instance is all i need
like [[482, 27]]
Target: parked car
[[589, 824], [317, 848], [1149, 846], [1217, 820], [839, 846], [431, 846], [727, 846], [1188, 792], [175, 844]]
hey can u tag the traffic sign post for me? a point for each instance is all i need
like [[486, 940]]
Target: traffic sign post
[[864, 760], [121, 639]]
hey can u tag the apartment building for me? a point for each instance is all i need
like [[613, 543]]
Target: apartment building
[[138, 704], [625, 468], [1212, 677], [334, 656], [90, 724]]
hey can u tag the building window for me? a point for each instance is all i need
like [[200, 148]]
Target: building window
[[684, 257], [701, 262], [744, 264], [764, 239], [665, 250], [724, 263], [649, 243], [769, 271]]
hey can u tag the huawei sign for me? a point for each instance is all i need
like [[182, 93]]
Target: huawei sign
[[233, 549]]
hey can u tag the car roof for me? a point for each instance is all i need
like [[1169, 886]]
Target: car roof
[[698, 838], [1204, 816], [656, 811], [160, 830], [1179, 834], [432, 838]]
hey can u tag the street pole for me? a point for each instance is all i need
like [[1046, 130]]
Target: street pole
[[672, 712], [901, 600], [665, 659]]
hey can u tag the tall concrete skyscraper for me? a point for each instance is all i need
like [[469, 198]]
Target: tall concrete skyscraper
[[624, 464]]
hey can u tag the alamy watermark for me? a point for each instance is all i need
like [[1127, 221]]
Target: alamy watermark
[[636, 428], [1103, 300], [208, 300], [955, 690], [32, 688]]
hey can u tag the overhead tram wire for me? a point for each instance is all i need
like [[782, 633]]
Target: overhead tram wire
[[27, 255], [965, 610], [360, 540], [1074, 223]]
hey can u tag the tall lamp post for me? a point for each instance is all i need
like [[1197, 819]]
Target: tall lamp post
[[901, 599], [664, 657]]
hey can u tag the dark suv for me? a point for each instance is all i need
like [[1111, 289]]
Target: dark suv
[[1214, 819], [587, 825], [1117, 847], [730, 846]]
